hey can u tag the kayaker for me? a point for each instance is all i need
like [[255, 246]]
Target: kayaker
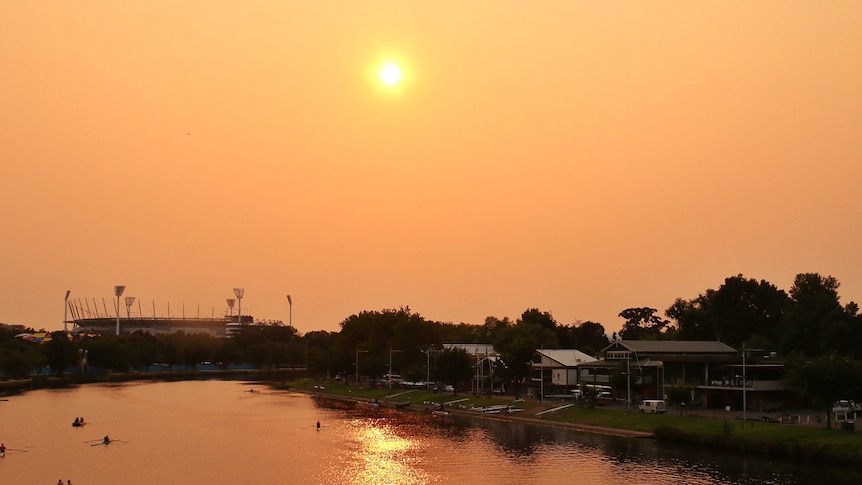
[[106, 440]]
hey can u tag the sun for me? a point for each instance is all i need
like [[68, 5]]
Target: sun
[[390, 74]]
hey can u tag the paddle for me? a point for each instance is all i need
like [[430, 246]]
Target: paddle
[[15, 449]]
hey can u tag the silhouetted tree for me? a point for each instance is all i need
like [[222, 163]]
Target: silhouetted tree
[[588, 337], [453, 367], [816, 322], [60, 352], [642, 324], [825, 380]]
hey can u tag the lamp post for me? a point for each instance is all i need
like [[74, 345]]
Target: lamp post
[[744, 383], [118, 292], [628, 382], [239, 292], [390, 366], [65, 309], [357, 364], [542, 373], [427, 353], [290, 304]]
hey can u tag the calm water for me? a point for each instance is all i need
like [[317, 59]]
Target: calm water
[[207, 432]]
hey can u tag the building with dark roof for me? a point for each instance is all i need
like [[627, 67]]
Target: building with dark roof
[[716, 373]]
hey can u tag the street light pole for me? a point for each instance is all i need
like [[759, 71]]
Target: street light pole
[[390, 366], [428, 369], [65, 309], [118, 292], [542, 373], [629, 381], [357, 364], [290, 304], [427, 353], [745, 383]]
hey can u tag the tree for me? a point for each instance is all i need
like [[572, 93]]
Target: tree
[[816, 323], [453, 367], [60, 352], [692, 318], [534, 316], [825, 380], [588, 337], [679, 394], [492, 327], [738, 310], [517, 345], [642, 324], [742, 307]]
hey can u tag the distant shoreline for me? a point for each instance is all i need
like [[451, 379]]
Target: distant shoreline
[[17, 386]]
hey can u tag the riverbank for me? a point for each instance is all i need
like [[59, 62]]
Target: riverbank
[[428, 406], [711, 430]]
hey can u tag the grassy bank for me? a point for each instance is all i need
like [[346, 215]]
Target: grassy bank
[[799, 441]]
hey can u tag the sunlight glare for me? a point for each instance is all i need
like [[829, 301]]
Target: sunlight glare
[[390, 74]]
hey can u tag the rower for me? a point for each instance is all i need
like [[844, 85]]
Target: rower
[[318, 425], [106, 440]]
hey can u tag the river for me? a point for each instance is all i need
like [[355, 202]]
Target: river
[[214, 431]]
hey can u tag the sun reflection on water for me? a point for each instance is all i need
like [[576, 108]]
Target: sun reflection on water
[[382, 456]]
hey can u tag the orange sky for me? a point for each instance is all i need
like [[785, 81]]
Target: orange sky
[[576, 157]]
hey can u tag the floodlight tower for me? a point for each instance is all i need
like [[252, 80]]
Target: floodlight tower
[[129, 301], [239, 292], [230, 303], [118, 292]]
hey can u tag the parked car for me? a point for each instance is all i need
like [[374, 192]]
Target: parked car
[[653, 406]]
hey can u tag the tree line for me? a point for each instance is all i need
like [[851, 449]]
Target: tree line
[[808, 321]]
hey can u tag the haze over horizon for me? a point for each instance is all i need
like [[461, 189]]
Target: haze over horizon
[[576, 157]]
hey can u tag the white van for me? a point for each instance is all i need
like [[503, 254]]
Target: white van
[[653, 406]]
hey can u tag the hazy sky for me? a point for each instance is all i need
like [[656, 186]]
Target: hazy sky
[[576, 157]]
